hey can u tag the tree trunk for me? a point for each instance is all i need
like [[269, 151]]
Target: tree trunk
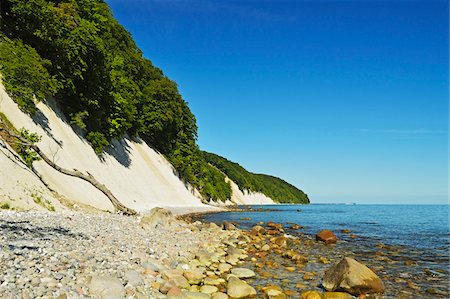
[[118, 206]]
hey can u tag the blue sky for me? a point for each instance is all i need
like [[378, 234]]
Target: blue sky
[[347, 100]]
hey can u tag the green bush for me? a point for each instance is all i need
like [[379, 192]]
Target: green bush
[[28, 155], [25, 75]]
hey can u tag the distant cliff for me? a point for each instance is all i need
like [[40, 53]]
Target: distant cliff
[[272, 187]]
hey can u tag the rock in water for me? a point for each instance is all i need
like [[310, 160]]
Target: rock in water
[[243, 272], [157, 217], [237, 288], [106, 287], [353, 277], [326, 236]]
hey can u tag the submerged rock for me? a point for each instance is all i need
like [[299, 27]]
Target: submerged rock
[[326, 236], [353, 277]]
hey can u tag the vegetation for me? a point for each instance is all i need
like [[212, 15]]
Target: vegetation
[[273, 187], [76, 52], [27, 154], [5, 206]]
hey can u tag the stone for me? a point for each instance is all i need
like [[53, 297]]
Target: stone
[[273, 292], [133, 277], [157, 217], [280, 241], [106, 286], [353, 277], [180, 281], [277, 226], [337, 295], [219, 295], [193, 276], [237, 288], [213, 281], [174, 292], [228, 226], [265, 247], [243, 273], [311, 295], [208, 289], [195, 295], [257, 229], [326, 236]]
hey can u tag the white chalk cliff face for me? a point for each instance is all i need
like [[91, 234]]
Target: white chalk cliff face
[[246, 197], [136, 174]]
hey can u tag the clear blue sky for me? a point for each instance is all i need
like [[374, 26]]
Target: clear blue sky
[[347, 100]]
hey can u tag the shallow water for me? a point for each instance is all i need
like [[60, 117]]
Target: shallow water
[[404, 244]]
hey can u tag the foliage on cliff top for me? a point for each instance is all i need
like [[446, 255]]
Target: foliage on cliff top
[[75, 51], [273, 187]]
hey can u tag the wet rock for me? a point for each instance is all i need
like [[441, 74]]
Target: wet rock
[[237, 288], [242, 272], [257, 229], [157, 217], [273, 292], [276, 226], [106, 286], [353, 277], [326, 236], [337, 295], [311, 295]]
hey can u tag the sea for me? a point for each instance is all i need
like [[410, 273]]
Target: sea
[[419, 234]]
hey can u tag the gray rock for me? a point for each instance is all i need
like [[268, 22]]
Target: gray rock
[[106, 287]]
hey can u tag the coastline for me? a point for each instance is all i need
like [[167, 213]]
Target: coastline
[[56, 255]]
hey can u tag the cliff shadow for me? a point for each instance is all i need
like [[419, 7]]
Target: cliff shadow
[[41, 120], [120, 150]]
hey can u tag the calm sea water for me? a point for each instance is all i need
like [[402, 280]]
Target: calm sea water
[[416, 242], [418, 226]]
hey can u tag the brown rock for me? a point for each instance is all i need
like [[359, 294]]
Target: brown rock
[[353, 277], [257, 229], [311, 295], [280, 241], [228, 226], [277, 226], [337, 295], [326, 236]]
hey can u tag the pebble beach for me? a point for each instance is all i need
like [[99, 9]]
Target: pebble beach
[[102, 255]]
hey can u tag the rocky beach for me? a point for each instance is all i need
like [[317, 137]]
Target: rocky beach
[[102, 255]]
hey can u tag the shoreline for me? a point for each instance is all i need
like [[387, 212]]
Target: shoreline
[[52, 254]]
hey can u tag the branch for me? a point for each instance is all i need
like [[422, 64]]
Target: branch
[[118, 206]]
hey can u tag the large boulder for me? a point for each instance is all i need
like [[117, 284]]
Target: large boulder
[[353, 277], [237, 288], [157, 217], [326, 236]]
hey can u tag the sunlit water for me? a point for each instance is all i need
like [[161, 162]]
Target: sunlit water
[[418, 232]]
